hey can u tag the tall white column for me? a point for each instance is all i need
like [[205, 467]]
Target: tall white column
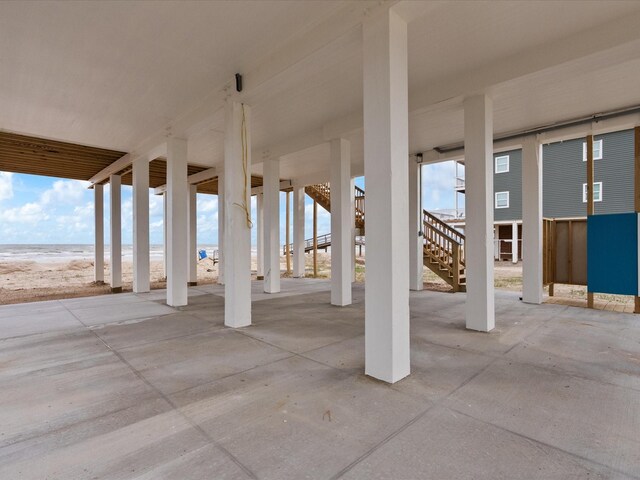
[[98, 251], [141, 270], [237, 204], [271, 181], [341, 216], [221, 228], [386, 151], [193, 236], [115, 198], [177, 225], [478, 152], [532, 291], [260, 235], [416, 243], [165, 209], [352, 190], [298, 231], [514, 242]]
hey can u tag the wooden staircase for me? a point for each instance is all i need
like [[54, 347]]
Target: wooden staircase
[[321, 193], [443, 251]]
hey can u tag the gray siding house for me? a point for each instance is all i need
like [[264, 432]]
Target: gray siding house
[[507, 186], [564, 185], [565, 174], [565, 177]]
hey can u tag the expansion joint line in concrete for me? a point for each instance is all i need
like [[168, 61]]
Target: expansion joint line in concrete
[[188, 419], [402, 428], [541, 444]]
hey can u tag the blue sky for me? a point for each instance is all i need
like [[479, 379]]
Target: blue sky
[[44, 210]]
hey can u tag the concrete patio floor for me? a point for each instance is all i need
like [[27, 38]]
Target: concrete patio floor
[[119, 387]]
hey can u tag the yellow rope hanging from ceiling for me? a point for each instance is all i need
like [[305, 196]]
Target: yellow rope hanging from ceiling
[[245, 168]]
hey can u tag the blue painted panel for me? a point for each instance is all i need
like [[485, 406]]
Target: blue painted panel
[[612, 253]]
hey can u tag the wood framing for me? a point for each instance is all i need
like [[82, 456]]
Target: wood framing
[[590, 204], [51, 158]]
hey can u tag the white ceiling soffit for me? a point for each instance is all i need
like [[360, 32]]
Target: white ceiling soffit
[[124, 75]]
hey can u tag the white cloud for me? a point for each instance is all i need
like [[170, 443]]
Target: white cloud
[[438, 185], [156, 205], [64, 191], [6, 185], [207, 205], [28, 213]]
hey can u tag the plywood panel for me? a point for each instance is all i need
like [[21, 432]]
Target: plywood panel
[[562, 253], [579, 263]]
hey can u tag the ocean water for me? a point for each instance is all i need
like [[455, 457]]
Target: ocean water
[[65, 253]]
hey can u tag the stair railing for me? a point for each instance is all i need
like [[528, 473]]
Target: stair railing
[[438, 224], [323, 242], [359, 203], [444, 246]]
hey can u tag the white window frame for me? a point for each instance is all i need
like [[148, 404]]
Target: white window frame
[[496, 164], [496, 200], [584, 192], [598, 149]]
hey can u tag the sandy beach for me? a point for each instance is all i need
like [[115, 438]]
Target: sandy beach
[[31, 281]]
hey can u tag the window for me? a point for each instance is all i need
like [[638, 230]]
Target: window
[[597, 150], [597, 192], [502, 199], [502, 164]]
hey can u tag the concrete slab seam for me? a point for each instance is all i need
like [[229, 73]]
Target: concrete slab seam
[[191, 422], [543, 444]]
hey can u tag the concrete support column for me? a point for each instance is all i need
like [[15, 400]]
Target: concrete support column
[[260, 235], [221, 224], [532, 289], [298, 232], [478, 144], [193, 236], [237, 203], [165, 209], [177, 224], [116, 233], [514, 242], [271, 180], [416, 243], [98, 251], [141, 269], [386, 134], [341, 222]]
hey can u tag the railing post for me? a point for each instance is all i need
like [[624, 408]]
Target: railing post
[[456, 266]]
